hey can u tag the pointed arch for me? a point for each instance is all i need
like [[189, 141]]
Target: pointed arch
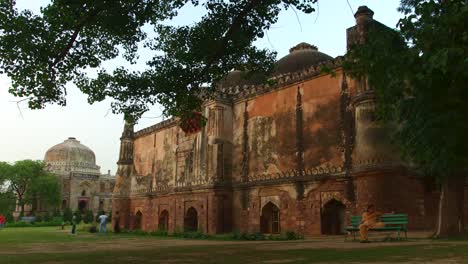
[[138, 220], [191, 220], [163, 221], [270, 222], [333, 217]]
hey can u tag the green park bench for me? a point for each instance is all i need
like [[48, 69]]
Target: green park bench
[[393, 222]]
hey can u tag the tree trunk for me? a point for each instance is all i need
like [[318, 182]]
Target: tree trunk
[[22, 209], [450, 215]]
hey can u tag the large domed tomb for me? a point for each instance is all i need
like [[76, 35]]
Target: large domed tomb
[[71, 156]]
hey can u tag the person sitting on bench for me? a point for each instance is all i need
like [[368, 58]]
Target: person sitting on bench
[[370, 219]]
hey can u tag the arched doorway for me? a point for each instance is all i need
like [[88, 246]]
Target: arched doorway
[[270, 219], [333, 218], [138, 219], [163, 221], [82, 205], [191, 220]]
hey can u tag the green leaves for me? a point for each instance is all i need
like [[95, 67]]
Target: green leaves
[[42, 53], [419, 74], [29, 180]]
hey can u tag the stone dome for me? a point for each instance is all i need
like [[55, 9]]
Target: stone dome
[[70, 153], [240, 78], [300, 57]]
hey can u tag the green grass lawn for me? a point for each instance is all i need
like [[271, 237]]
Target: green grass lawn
[[51, 245], [12, 237]]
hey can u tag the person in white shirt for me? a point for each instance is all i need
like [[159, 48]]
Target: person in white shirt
[[103, 222]]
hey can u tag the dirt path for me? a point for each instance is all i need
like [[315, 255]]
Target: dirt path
[[141, 244]]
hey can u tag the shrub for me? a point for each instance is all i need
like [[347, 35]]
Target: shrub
[[257, 236], [78, 217], [19, 224], [38, 218], [46, 217], [57, 219], [195, 235], [140, 232], [36, 224], [9, 217], [67, 215], [290, 235], [57, 213], [88, 217], [236, 235], [161, 233], [52, 223], [92, 229]]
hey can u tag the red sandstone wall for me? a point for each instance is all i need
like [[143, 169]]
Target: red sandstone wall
[[272, 133], [272, 144], [152, 151], [393, 191], [210, 206], [144, 152], [322, 131], [302, 216]]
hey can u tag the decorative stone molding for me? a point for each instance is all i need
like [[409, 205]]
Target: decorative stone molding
[[83, 176], [141, 179], [291, 174], [233, 93], [264, 200], [325, 197], [159, 126], [375, 163], [280, 81]]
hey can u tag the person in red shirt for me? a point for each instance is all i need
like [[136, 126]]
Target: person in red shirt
[[2, 221]]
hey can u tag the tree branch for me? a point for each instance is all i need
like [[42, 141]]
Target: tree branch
[[237, 22], [73, 38], [78, 29]]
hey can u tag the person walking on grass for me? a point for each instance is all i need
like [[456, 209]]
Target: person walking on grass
[[103, 222], [73, 231]]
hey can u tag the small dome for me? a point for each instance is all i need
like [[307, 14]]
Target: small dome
[[240, 78], [300, 57], [71, 151]]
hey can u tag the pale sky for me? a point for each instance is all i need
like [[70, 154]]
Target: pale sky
[[27, 134]]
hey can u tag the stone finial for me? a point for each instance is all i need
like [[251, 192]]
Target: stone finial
[[363, 13], [303, 46]]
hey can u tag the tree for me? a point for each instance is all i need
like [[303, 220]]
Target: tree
[[9, 217], [419, 74], [47, 217], [41, 53], [88, 217], [45, 189], [78, 215], [7, 202], [67, 215], [28, 181]]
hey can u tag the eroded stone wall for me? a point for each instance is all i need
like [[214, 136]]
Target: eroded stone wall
[[259, 150]]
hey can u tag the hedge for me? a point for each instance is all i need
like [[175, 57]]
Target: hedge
[[55, 222]]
